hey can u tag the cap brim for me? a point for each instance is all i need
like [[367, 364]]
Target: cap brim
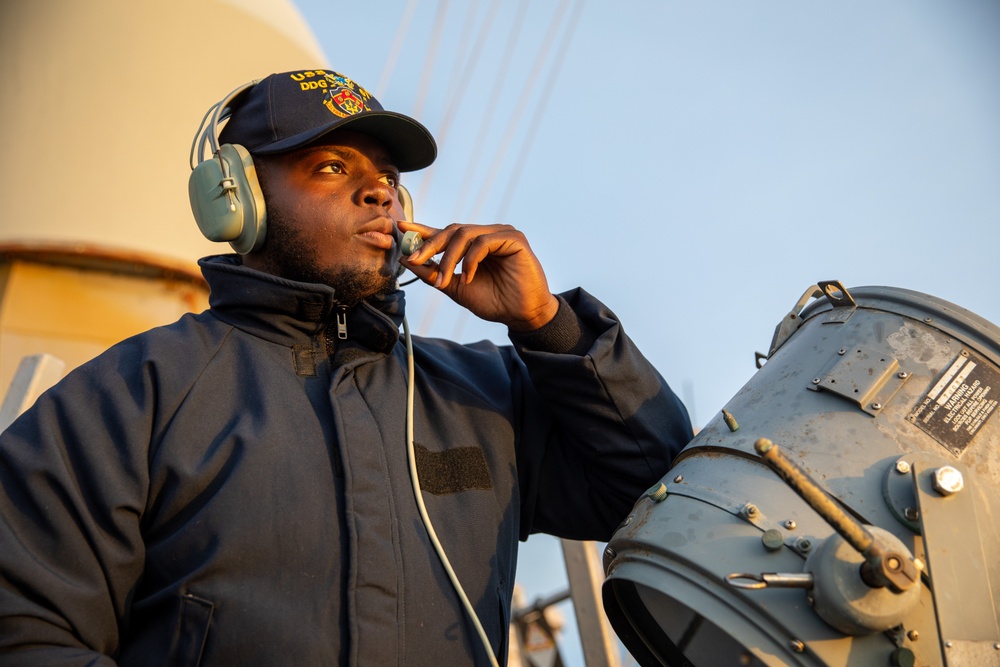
[[409, 143]]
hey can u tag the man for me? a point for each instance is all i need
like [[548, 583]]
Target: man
[[235, 488]]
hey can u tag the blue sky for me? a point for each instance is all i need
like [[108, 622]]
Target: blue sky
[[698, 165]]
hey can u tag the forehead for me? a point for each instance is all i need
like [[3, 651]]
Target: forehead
[[348, 145]]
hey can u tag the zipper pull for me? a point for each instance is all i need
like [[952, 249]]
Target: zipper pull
[[342, 322]]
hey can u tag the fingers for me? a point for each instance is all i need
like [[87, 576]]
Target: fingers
[[467, 245]]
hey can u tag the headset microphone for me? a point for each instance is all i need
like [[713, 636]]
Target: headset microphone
[[411, 243]]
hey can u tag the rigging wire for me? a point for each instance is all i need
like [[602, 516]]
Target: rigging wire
[[397, 45], [435, 41], [463, 46], [529, 83], [491, 106], [528, 142], [536, 118], [457, 94]]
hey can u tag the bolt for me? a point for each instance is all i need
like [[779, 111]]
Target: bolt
[[892, 563], [803, 544], [797, 645], [902, 375], [913, 635], [842, 350], [948, 481], [609, 557], [928, 319], [902, 467], [750, 510], [876, 406], [730, 421], [678, 479], [816, 380], [911, 514], [789, 524], [658, 492]]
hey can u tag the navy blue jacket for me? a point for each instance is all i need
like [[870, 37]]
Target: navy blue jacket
[[233, 488]]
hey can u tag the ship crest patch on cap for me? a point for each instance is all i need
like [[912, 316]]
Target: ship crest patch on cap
[[343, 97]]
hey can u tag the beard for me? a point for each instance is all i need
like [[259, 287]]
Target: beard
[[290, 255]]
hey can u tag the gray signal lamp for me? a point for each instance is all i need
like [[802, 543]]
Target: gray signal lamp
[[842, 509]]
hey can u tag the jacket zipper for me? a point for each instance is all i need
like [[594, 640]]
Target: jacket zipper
[[342, 322]]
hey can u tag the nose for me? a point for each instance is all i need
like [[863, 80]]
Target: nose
[[377, 193]]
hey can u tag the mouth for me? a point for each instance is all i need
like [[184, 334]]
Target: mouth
[[379, 233]]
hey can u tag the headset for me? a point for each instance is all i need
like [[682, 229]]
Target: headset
[[225, 195]]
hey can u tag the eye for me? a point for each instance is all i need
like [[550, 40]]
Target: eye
[[332, 168], [391, 180]]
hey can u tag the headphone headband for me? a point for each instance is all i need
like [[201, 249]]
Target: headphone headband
[[208, 130]]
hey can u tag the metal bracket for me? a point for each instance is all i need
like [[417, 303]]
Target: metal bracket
[[867, 377], [838, 296], [959, 574]]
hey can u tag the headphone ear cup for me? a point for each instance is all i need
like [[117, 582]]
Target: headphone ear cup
[[226, 199], [406, 199]]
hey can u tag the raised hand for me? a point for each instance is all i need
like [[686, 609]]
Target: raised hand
[[501, 279]]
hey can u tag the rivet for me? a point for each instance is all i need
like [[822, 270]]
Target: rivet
[[750, 510], [876, 406], [928, 319], [911, 514], [902, 467], [996, 647], [902, 657], [789, 525], [902, 375], [816, 380], [947, 644], [842, 351], [797, 645], [913, 635], [772, 539], [678, 479]]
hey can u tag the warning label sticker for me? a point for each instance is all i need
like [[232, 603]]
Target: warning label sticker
[[954, 410]]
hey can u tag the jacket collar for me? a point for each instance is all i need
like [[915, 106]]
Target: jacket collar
[[291, 313]]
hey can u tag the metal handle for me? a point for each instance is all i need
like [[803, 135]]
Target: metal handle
[[770, 580], [882, 567]]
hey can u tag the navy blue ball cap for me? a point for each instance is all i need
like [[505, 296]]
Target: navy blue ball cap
[[289, 110]]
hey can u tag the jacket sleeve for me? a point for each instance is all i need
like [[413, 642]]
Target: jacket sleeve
[[72, 491], [600, 423]]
